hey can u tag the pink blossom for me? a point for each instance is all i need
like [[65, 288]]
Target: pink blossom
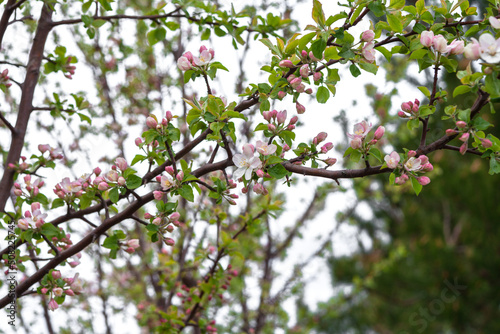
[[320, 137], [281, 94], [169, 241], [317, 76], [440, 44], [53, 305], [295, 83], [43, 148], [103, 186], [451, 132], [495, 23], [426, 38], [456, 47], [356, 143], [166, 182], [121, 163], [69, 292], [472, 50], [23, 224], [461, 124], [401, 179], [204, 58], [392, 160], [327, 147], [367, 36], [184, 64], [331, 161], [464, 137], [281, 117], [56, 274], [423, 180], [368, 52], [265, 149], [58, 291], [427, 167], [463, 148], [490, 48], [151, 122], [413, 164], [486, 142], [134, 243], [175, 216]]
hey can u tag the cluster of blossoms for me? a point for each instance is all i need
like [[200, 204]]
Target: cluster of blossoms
[[188, 61], [58, 288], [131, 245], [277, 119], [320, 137], [4, 78], [358, 138], [171, 180], [410, 110], [368, 50], [439, 43], [165, 224], [248, 162], [32, 219], [32, 188], [487, 48], [152, 123], [465, 132], [411, 167]]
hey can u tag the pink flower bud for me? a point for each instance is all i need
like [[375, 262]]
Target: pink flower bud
[[97, 171], [188, 55], [281, 94], [356, 143], [151, 122], [402, 114], [301, 88], [294, 120], [300, 108], [303, 53], [281, 117], [138, 141], [307, 91], [286, 63], [291, 77], [407, 106], [463, 148], [121, 163], [180, 176], [274, 113], [464, 137], [18, 192], [103, 186], [169, 116], [157, 221], [311, 55], [379, 133], [427, 167], [121, 181], [169, 170], [295, 83], [43, 148], [170, 228], [331, 161], [451, 132], [158, 195], [134, 243], [327, 147], [423, 159], [401, 179], [56, 274], [423, 180], [175, 216], [44, 291], [184, 63], [271, 127], [486, 142], [426, 38], [69, 292], [290, 127], [147, 215], [260, 173], [320, 137], [411, 154], [367, 36], [304, 71], [461, 124], [169, 241], [317, 76], [53, 305]]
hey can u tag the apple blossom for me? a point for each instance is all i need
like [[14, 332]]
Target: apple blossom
[[204, 58], [327, 147], [121, 163], [184, 64], [246, 162], [440, 44], [53, 305], [495, 23], [320, 137], [413, 164], [426, 38], [330, 161], [317, 76], [379, 133], [472, 50], [401, 179], [368, 52], [304, 70], [423, 180], [151, 122], [58, 291], [456, 47], [486, 142], [281, 94], [392, 160], [281, 117], [264, 148], [367, 36], [490, 48]]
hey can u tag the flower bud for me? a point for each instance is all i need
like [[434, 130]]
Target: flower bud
[[271, 127], [304, 70], [169, 170], [300, 108], [260, 173], [463, 148], [402, 114], [281, 94], [451, 132], [486, 142], [138, 141], [367, 36], [330, 161], [43, 148], [169, 241], [327, 147], [121, 181], [293, 120], [158, 195], [56, 274], [281, 117], [379, 133], [157, 221], [423, 180], [461, 124], [411, 154], [103, 186], [286, 63], [169, 115], [121, 163], [464, 137], [180, 176], [151, 122], [317, 76], [356, 143], [69, 292], [175, 216]]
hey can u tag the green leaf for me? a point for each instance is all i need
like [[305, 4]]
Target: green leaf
[[111, 242], [418, 54], [355, 155], [425, 91], [50, 230], [277, 171], [461, 90], [318, 47], [417, 187], [494, 166], [395, 23], [375, 152], [133, 181], [480, 124], [354, 70], [156, 35], [58, 202], [397, 4], [317, 13], [413, 124], [377, 8], [392, 178], [323, 94], [186, 191], [368, 67], [114, 195]]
